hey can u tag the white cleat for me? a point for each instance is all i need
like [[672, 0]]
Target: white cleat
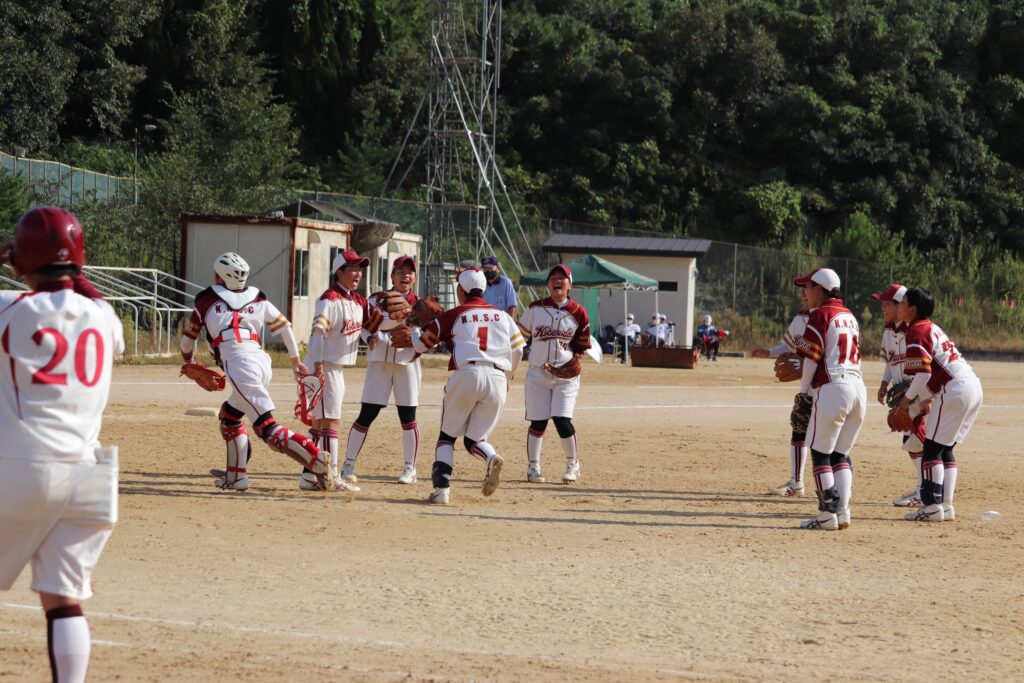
[[408, 475], [572, 472], [308, 482], [342, 485], [928, 513], [843, 518], [790, 488], [911, 499], [439, 497], [493, 477], [348, 473], [948, 513], [825, 521], [222, 482], [534, 476]]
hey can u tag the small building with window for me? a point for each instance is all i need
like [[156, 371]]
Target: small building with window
[[672, 262], [290, 256]]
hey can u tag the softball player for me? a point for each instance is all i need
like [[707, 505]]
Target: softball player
[[234, 317], [797, 441], [832, 375], [338, 320], [939, 373], [58, 486], [486, 349], [389, 369], [560, 329], [894, 350]]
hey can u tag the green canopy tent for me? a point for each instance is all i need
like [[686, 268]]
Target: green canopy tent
[[594, 272]]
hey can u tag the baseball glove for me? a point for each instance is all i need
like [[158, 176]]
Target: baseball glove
[[801, 413], [425, 311], [788, 367], [394, 304], [401, 337], [567, 370], [208, 378], [899, 420], [896, 393]]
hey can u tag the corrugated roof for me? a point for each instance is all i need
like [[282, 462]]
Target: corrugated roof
[[604, 244]]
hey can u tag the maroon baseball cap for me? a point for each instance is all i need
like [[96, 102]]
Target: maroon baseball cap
[[349, 258], [562, 267], [894, 293], [404, 260]]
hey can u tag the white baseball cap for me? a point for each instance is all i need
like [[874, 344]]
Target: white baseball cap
[[630, 316], [826, 277], [471, 279], [894, 293]]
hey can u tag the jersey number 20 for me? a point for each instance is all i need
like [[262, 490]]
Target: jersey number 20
[[44, 375]]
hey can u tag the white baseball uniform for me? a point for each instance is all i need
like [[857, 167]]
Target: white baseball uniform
[[234, 323], [484, 342], [338, 320], [388, 368], [795, 330], [559, 332], [832, 342], [939, 370], [58, 487]]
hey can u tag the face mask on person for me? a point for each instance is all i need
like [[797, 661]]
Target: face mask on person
[[491, 275]]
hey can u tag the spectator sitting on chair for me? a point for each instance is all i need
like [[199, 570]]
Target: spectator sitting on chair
[[708, 338], [669, 328], [627, 332], [657, 330]]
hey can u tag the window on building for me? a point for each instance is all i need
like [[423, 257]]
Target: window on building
[[668, 286], [301, 285], [330, 262], [383, 275]]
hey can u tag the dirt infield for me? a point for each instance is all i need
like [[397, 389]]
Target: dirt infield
[[663, 562]]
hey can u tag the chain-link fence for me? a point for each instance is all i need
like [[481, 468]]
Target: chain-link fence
[[57, 183]]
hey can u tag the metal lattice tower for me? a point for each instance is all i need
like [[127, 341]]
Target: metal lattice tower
[[469, 212]]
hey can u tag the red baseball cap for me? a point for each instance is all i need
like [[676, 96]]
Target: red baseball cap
[[562, 267], [349, 258], [404, 260], [826, 277], [894, 293]]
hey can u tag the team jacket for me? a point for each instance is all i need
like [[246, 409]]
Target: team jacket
[[796, 328], [234, 322], [58, 349], [930, 351], [383, 350], [832, 340], [474, 331], [338, 319], [558, 332], [894, 351]]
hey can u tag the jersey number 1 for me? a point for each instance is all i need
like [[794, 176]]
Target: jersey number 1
[[481, 334], [60, 342]]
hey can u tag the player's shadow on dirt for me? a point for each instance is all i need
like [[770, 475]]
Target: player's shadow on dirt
[[641, 494], [624, 523]]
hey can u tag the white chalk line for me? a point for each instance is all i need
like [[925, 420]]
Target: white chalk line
[[354, 640]]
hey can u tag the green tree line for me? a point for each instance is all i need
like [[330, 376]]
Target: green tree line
[[868, 129]]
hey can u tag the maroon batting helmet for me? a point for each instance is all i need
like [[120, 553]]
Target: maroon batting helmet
[[48, 235]]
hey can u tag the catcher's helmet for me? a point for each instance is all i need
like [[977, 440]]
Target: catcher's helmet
[[232, 269], [48, 235]]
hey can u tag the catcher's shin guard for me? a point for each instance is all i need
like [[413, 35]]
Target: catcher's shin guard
[[238, 448], [296, 446], [441, 475]]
